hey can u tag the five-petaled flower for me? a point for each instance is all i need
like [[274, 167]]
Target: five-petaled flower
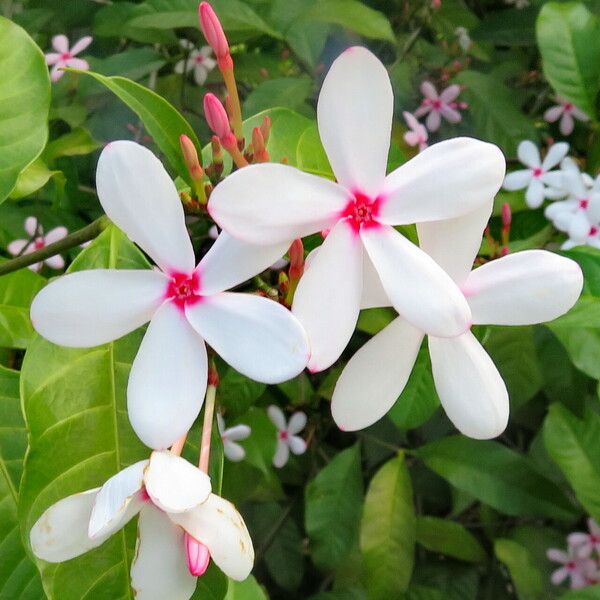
[[436, 106], [185, 304], [272, 203], [199, 61], [417, 134], [182, 525], [519, 289], [65, 56], [584, 544], [230, 436], [287, 435], [565, 111], [538, 174], [580, 571], [38, 240]]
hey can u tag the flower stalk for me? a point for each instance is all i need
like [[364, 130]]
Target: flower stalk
[[209, 411]]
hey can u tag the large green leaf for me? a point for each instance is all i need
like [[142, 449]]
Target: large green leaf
[[569, 40], [388, 530], [249, 589], [333, 507], [496, 475], [74, 403], [526, 577], [573, 445], [449, 538], [19, 578], [589, 593], [162, 120], [24, 103]]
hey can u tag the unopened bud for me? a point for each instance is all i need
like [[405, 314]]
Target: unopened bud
[[216, 117], [258, 146], [215, 36], [213, 376], [217, 150], [296, 260], [506, 216], [265, 129], [190, 155], [197, 554]]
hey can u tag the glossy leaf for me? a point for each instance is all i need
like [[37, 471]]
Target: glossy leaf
[[449, 538], [526, 577], [245, 590]]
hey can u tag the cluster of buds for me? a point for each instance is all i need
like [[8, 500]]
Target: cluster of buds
[[499, 248], [288, 282]]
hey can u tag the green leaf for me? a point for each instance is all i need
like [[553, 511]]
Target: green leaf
[[388, 530], [525, 575], [353, 15], [74, 403], [162, 121], [583, 347], [238, 393], [449, 538], [24, 103], [419, 399], [34, 177], [287, 92], [589, 593], [19, 578], [249, 589], [496, 475], [513, 27], [568, 36], [333, 505], [500, 121], [573, 445], [75, 143], [16, 293], [310, 155]]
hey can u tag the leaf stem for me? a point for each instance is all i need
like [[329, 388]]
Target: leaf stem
[[209, 412], [85, 234]]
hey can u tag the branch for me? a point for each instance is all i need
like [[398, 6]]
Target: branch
[[85, 234]]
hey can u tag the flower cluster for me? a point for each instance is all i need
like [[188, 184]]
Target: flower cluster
[[38, 239]]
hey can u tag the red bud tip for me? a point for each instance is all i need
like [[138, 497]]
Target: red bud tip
[[506, 215], [296, 259], [213, 376], [216, 117], [190, 155], [265, 129], [198, 555]]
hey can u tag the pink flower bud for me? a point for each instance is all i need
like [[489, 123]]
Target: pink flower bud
[[296, 259], [213, 32], [198, 555], [506, 215], [216, 117], [190, 156]]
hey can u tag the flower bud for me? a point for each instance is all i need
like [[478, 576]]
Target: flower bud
[[218, 121], [198, 555], [506, 216], [213, 32], [296, 260], [261, 154], [190, 156], [213, 376]]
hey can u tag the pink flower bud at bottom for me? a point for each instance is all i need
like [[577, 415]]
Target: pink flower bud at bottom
[[216, 117], [198, 555]]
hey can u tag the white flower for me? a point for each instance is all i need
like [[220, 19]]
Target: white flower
[[234, 452], [198, 61], [65, 57], [565, 111], [584, 544], [464, 40], [518, 3], [417, 133], [592, 239], [437, 105], [580, 571], [269, 203], [185, 304], [175, 505], [287, 438], [37, 240], [519, 289], [538, 173]]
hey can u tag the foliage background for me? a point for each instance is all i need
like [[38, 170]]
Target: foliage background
[[406, 509]]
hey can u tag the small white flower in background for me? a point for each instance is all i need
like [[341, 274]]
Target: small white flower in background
[[417, 134], [233, 451], [186, 304], [565, 111], [37, 240], [65, 56], [181, 527], [436, 106], [518, 289], [199, 61], [580, 571], [463, 38], [287, 438], [518, 3], [538, 174], [584, 544], [592, 239]]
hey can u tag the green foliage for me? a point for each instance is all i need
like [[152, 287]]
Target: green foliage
[[449, 538], [527, 579]]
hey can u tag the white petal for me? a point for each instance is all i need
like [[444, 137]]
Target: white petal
[[167, 379], [450, 93], [428, 90], [89, 308], [297, 423], [554, 179], [375, 376], [556, 153], [579, 227], [138, 195], [60, 43], [557, 555], [31, 226], [16, 247], [527, 287], [174, 484], [61, 533], [256, 336], [373, 294], [558, 576], [238, 432], [529, 154], [354, 113], [434, 120], [297, 444], [534, 196], [219, 526], [230, 262], [159, 569], [81, 45], [234, 452], [446, 180], [271, 203], [55, 234], [517, 180], [327, 299], [554, 113], [454, 243], [118, 500], [277, 417], [55, 262], [420, 290], [282, 454], [470, 388], [567, 124]]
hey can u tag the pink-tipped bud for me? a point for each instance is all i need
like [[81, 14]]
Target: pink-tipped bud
[[198, 555], [213, 32], [506, 216], [216, 117], [213, 376], [190, 156], [296, 260], [261, 153], [265, 129]]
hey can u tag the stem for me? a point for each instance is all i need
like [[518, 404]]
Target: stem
[[209, 410], [237, 156], [177, 447], [236, 117], [85, 234]]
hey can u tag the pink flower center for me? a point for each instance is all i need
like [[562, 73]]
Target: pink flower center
[[284, 435], [594, 539], [583, 203], [39, 243], [571, 565], [183, 289], [537, 171], [362, 211], [199, 59], [593, 230], [65, 56], [568, 107], [144, 497], [437, 104]]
